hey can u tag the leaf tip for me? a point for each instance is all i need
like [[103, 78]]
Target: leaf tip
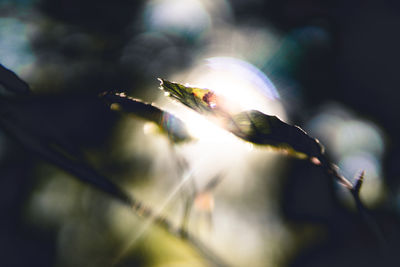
[[161, 87]]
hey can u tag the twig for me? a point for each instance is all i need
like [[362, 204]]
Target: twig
[[333, 171], [371, 223], [358, 184], [355, 190]]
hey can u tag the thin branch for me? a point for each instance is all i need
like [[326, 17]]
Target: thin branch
[[372, 224], [358, 184], [355, 190], [333, 171]]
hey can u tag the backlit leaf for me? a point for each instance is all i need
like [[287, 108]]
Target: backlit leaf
[[201, 100], [259, 128], [251, 125]]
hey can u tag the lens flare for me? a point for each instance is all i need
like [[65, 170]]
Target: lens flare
[[243, 86], [242, 68], [240, 82]]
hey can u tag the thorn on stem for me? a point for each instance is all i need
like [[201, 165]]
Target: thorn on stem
[[358, 183]]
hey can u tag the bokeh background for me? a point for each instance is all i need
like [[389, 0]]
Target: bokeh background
[[329, 66]]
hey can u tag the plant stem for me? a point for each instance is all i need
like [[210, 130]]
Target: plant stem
[[355, 190]]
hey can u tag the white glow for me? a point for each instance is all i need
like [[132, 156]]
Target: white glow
[[202, 128], [244, 87], [219, 153], [242, 84]]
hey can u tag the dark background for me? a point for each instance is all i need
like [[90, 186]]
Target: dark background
[[78, 47]]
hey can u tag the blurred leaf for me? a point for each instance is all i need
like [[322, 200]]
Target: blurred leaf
[[252, 125], [39, 125], [56, 153], [168, 123]]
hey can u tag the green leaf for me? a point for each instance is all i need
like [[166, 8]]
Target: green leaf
[[201, 100], [251, 125], [168, 123], [259, 128]]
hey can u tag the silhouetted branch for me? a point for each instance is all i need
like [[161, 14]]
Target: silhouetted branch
[[12, 82], [355, 190]]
